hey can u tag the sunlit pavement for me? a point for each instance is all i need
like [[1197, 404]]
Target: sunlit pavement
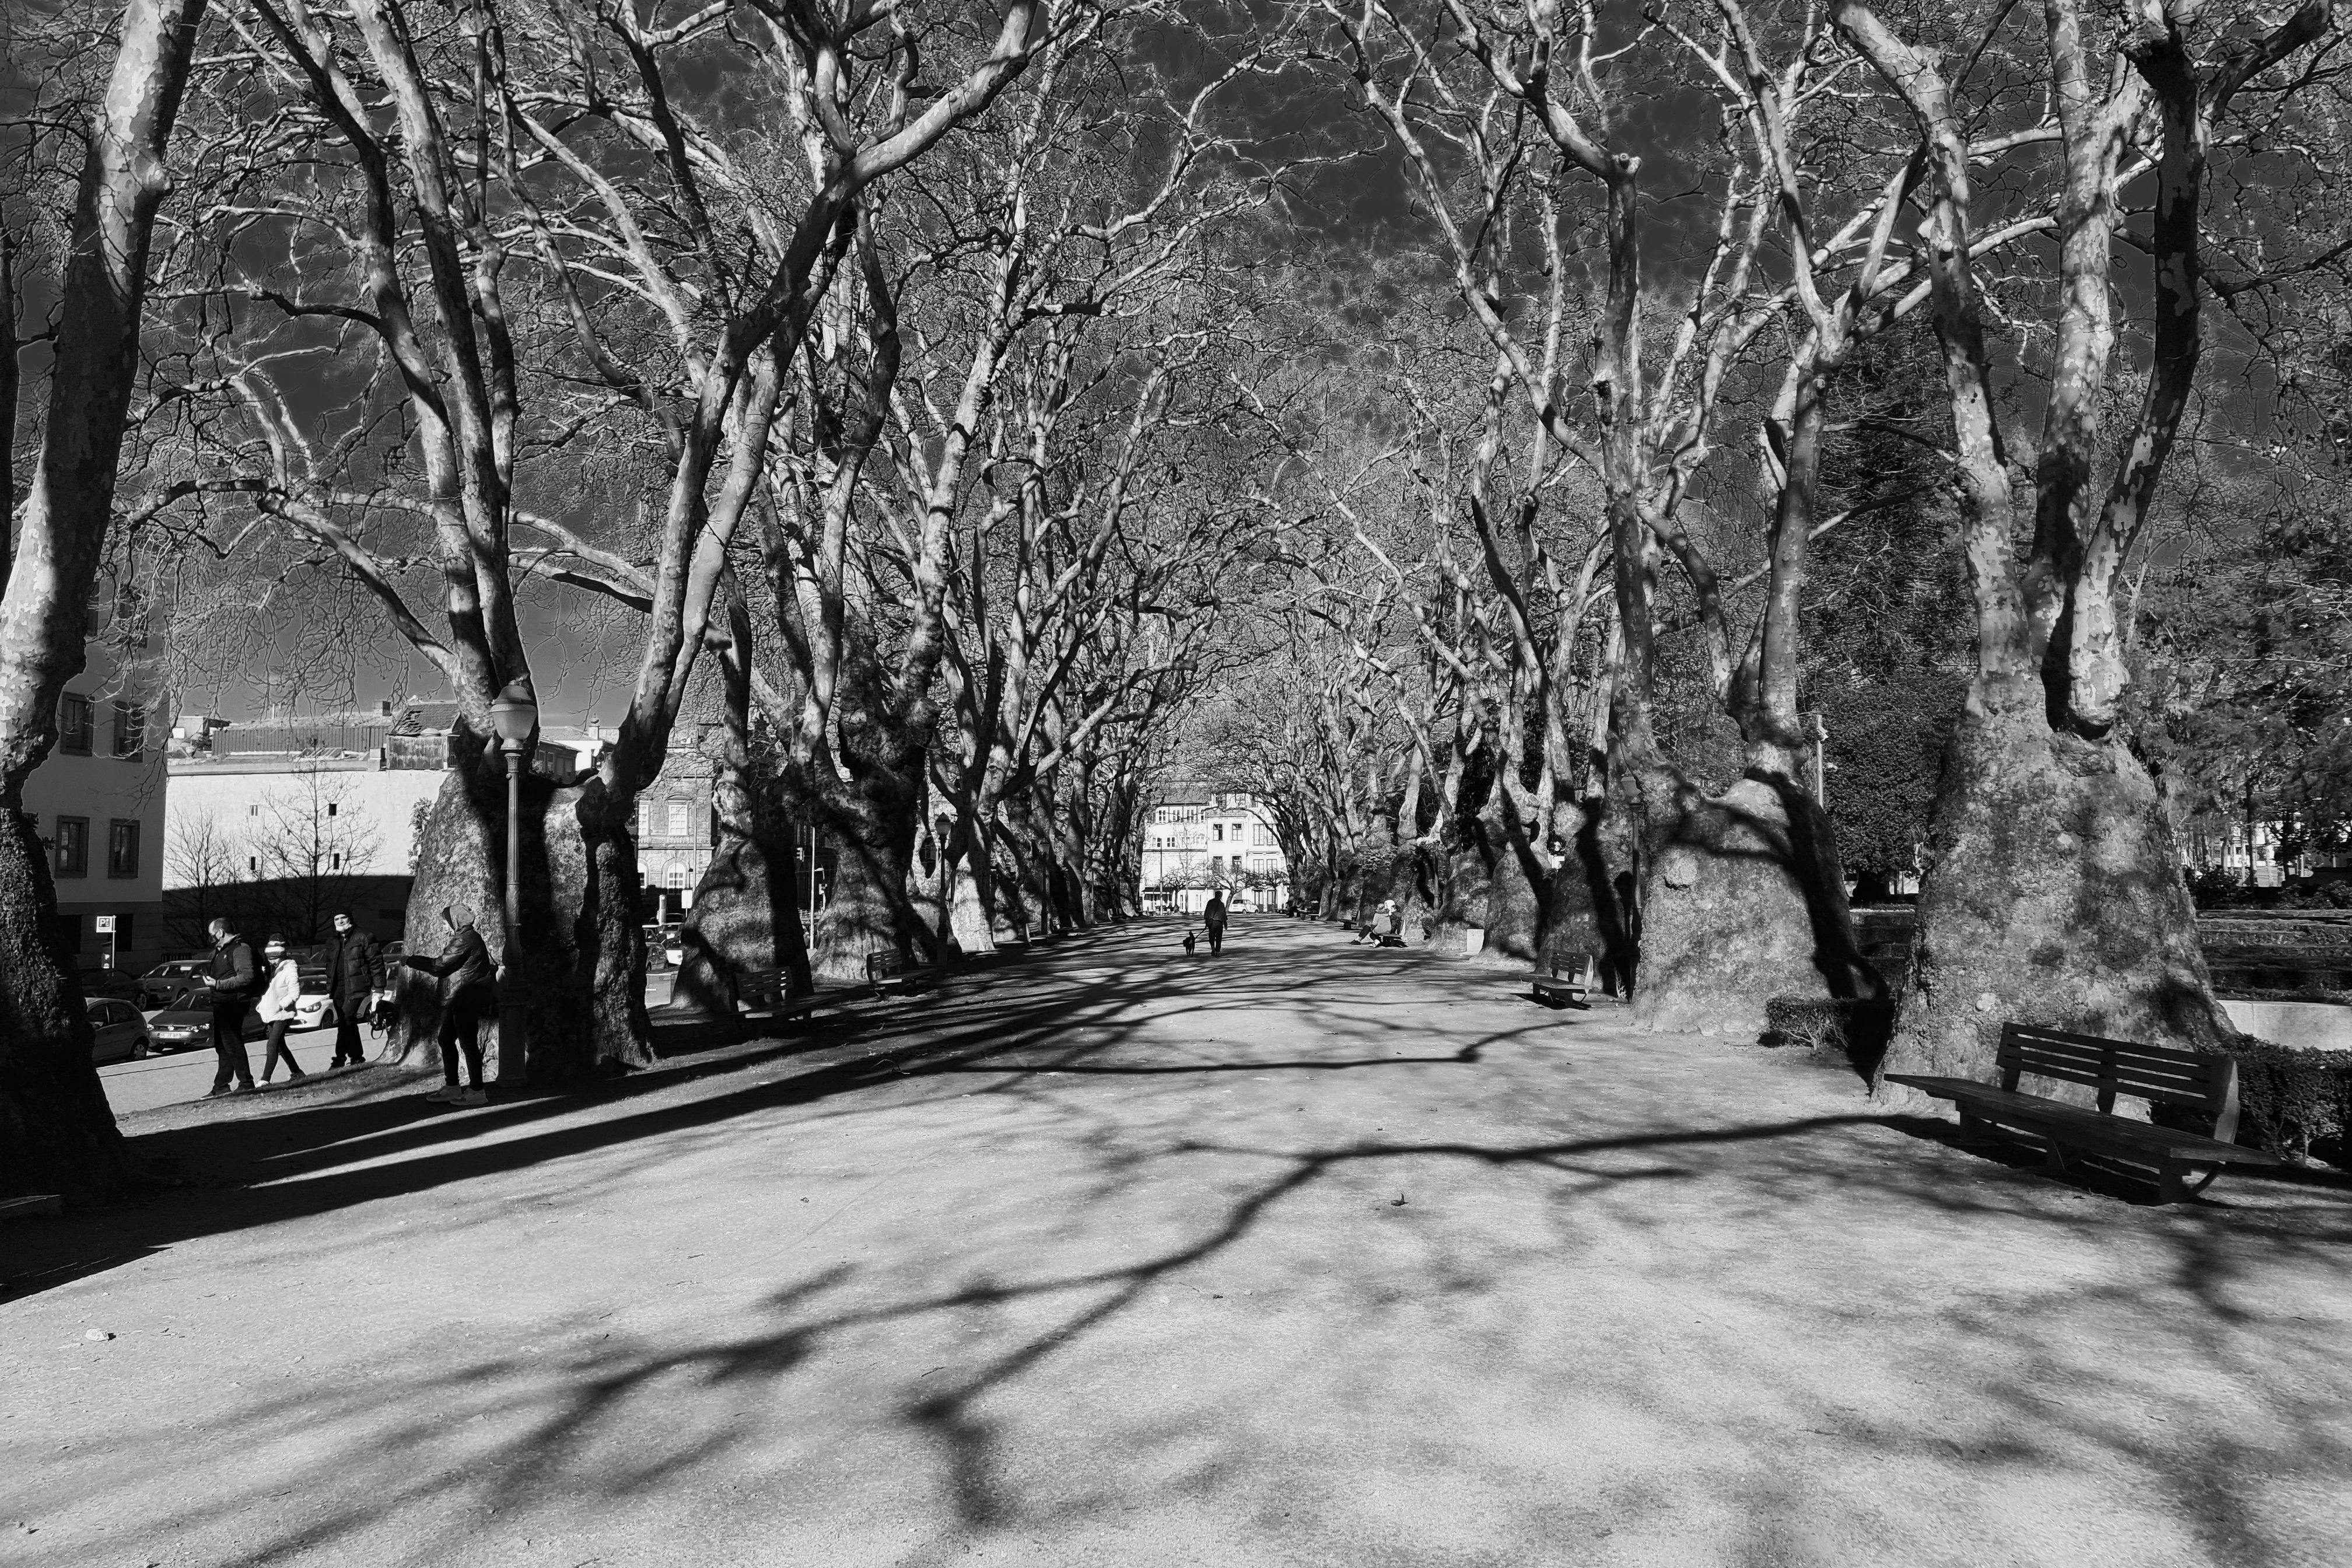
[[170, 1078], [1108, 1255]]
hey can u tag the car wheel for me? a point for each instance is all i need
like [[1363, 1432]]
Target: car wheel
[[139, 1052]]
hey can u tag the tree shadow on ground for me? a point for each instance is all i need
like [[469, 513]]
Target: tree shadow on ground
[[958, 1356], [1013, 1017], [623, 1420]]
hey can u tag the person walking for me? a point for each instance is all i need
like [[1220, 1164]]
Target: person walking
[[284, 988], [231, 978], [354, 971], [1213, 918], [468, 995]]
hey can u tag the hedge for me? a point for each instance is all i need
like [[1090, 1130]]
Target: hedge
[[2290, 1101], [1856, 1027]]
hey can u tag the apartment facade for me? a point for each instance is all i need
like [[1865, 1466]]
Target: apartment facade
[[97, 803], [1197, 841]]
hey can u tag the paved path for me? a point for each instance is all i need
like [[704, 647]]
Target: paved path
[[1306, 1255]]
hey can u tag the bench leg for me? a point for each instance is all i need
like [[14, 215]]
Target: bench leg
[[2170, 1188]]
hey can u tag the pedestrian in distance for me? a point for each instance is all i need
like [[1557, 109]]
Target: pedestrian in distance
[[468, 995], [354, 973], [233, 977], [1212, 919], [281, 990]]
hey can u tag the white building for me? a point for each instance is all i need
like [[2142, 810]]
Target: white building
[[97, 803], [1196, 841], [323, 805]]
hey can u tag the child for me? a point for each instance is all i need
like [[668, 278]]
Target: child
[[277, 1009]]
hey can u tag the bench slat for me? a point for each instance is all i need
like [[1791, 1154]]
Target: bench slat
[[2120, 1062], [2062, 1036]]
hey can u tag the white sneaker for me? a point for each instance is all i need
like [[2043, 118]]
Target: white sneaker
[[470, 1097], [444, 1096]]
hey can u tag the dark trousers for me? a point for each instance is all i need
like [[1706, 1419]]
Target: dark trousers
[[228, 1045], [461, 1029], [1216, 940], [278, 1051], [347, 1035]]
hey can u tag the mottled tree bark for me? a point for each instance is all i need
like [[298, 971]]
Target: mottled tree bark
[[57, 1134]]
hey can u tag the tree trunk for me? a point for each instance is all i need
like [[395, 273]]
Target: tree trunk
[[746, 912], [1590, 908], [1743, 900], [2053, 896], [861, 916], [584, 1006], [57, 1134]]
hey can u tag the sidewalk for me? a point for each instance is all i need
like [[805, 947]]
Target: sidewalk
[[1307, 1255]]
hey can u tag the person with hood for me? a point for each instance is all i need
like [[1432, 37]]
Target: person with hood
[[278, 995], [469, 995], [1213, 919], [353, 973], [232, 977]]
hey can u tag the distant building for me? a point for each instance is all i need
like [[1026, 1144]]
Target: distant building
[[1196, 841], [98, 804], [284, 820]]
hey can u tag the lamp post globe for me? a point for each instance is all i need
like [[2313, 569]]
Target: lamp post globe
[[515, 715]]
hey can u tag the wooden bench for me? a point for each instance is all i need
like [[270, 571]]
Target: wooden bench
[[2157, 1074], [1558, 990], [885, 970]]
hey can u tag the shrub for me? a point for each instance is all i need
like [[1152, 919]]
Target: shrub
[[2289, 1100], [1854, 1027]]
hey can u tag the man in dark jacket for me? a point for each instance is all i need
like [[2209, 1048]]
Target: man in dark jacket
[[353, 972], [469, 994], [234, 979], [1213, 918]]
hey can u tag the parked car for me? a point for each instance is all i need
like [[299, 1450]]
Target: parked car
[[665, 946], [122, 1032], [168, 979], [184, 1022], [102, 982], [313, 1009]]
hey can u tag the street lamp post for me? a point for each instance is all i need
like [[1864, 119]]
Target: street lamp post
[[515, 717]]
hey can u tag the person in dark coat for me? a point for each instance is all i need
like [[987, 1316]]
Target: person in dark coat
[[354, 971], [233, 978], [1213, 918], [469, 995]]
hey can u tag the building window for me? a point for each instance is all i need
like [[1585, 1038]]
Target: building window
[[330, 808], [130, 729], [681, 818], [253, 865], [254, 809], [73, 724], [73, 846], [335, 862], [1216, 833], [122, 849], [675, 875]]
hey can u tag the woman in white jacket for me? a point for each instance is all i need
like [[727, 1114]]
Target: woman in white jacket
[[277, 1009]]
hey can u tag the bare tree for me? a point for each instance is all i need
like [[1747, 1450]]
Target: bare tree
[[303, 850], [56, 1132]]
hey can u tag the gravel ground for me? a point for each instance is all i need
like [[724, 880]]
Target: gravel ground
[[1106, 1256]]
